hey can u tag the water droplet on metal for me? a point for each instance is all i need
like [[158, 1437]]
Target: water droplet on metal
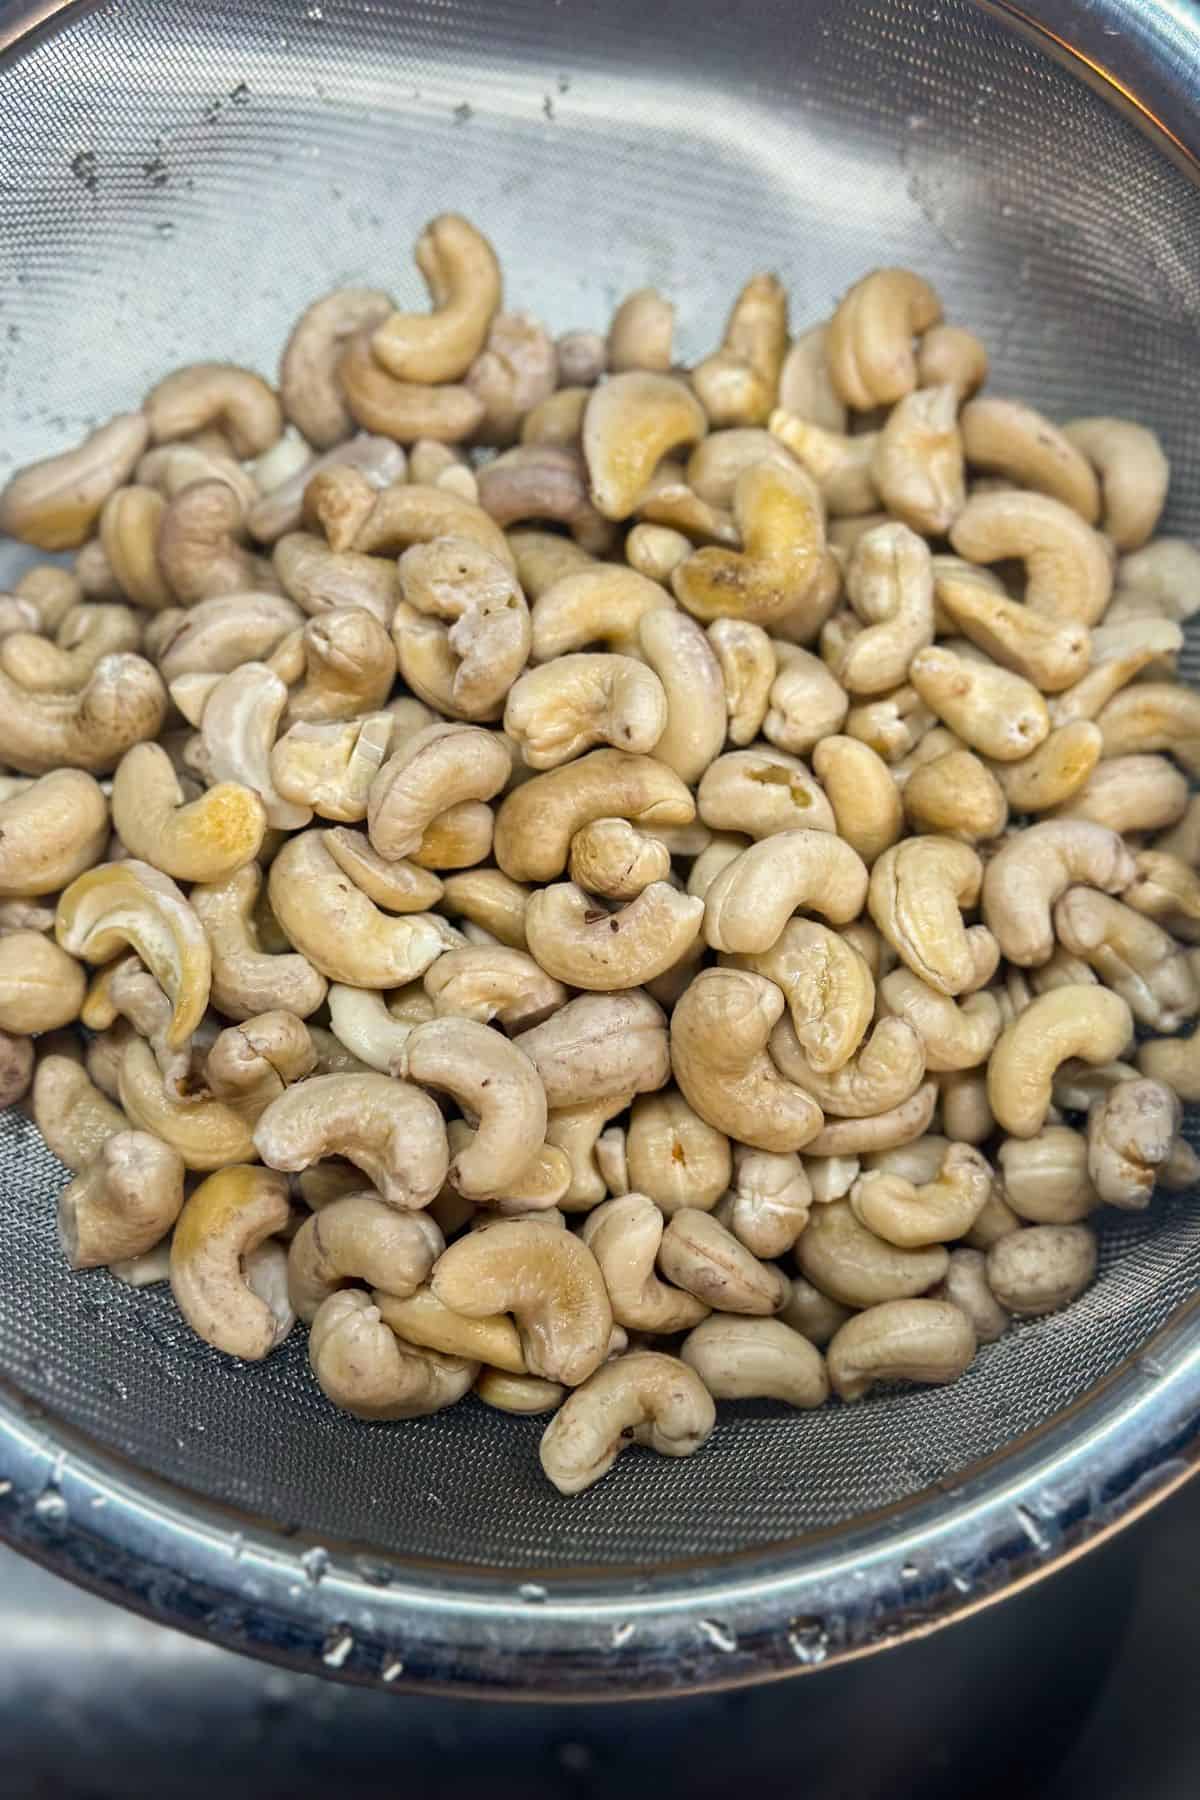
[[719, 1635], [1033, 1529], [237, 1545], [377, 1573], [337, 1647], [315, 1562], [533, 1593], [393, 1669], [6, 1487], [165, 228], [51, 1508], [314, 14], [909, 1571], [960, 1583], [621, 1634], [808, 1641]]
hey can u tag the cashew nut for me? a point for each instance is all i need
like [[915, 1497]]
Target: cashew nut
[[221, 1225], [918, 889], [719, 1032], [828, 986], [1154, 715], [123, 1204], [929, 1341], [631, 423], [1130, 793], [391, 1130], [436, 769], [813, 1314], [624, 1235], [674, 1155], [497, 1082], [536, 822], [1030, 873], [405, 411], [639, 336], [1089, 1022], [245, 980], [1012, 440], [72, 1114], [463, 277], [883, 1074], [849, 1263], [564, 707], [611, 857], [358, 1238], [744, 1359], [1042, 1268], [751, 900], [858, 1137], [339, 929], [363, 1367], [947, 353], [55, 503], [643, 1398], [1050, 652], [1130, 1136], [132, 903], [318, 578], [868, 343], [1067, 565], [699, 1255], [599, 1046], [581, 943], [768, 1206], [780, 517], [806, 385], [739, 383], [543, 481], [936, 1212], [1131, 954]]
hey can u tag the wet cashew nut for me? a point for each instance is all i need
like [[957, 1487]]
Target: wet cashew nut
[[829, 989], [1130, 1137], [935, 1212], [928, 1341], [363, 1367], [884, 1073], [339, 929], [599, 1046], [1089, 1022], [132, 903], [221, 1224], [673, 1155], [631, 422], [699, 1255], [1031, 873], [463, 277], [1042, 1268], [389, 1129], [644, 1398], [624, 1236], [868, 342], [1067, 565], [851, 1264], [579, 942], [499, 1085], [768, 1205], [1131, 954], [780, 517], [308, 386], [719, 1033], [50, 832], [55, 503], [751, 900], [358, 1238], [918, 891], [123, 1204], [1007, 438], [537, 821]]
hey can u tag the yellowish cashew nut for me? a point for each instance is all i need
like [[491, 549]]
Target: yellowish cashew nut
[[935, 1212], [624, 1235], [868, 342], [918, 460], [329, 768], [547, 1279], [643, 1398], [717, 461], [132, 903], [436, 769], [238, 729], [780, 516], [581, 943], [828, 986], [883, 1074], [71, 1112], [86, 634], [948, 353], [493, 982], [768, 1205], [406, 411], [674, 1156], [521, 1394], [806, 702], [956, 1034], [1030, 873], [318, 578], [738, 385], [220, 634], [806, 385], [683, 659], [564, 707], [849, 1263], [1052, 653], [497, 1083], [745, 1359], [1130, 793], [632, 421], [463, 276], [719, 1032], [206, 1131], [537, 821], [748, 669], [389, 1129], [50, 832], [760, 792], [918, 891], [349, 666], [1055, 771], [1041, 1269], [542, 558], [1012, 440], [841, 466], [882, 1131], [1119, 653], [558, 419], [864, 796], [55, 503], [890, 584], [1166, 888], [245, 980], [129, 525], [892, 726], [639, 336], [339, 929], [364, 1368], [1154, 715], [656, 551], [123, 1204], [611, 857], [751, 900], [599, 1046], [122, 702], [420, 1318], [1131, 1133], [1089, 1022], [699, 1255], [1131, 954], [41, 987], [957, 795], [929, 1341], [1133, 472], [358, 1238], [603, 603], [1169, 1060], [221, 1225], [204, 840], [992, 709], [1067, 564]]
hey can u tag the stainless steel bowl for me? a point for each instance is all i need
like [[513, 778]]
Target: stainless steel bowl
[[176, 181]]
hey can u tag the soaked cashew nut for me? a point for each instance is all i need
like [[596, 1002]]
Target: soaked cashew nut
[[1067, 565], [246, 980], [739, 383], [890, 584], [55, 503], [602, 604], [86, 634], [132, 903], [780, 517], [683, 659], [936, 1212], [929, 1341], [497, 1083], [675, 1156], [768, 1205], [405, 411], [643, 1398], [1131, 954], [50, 832], [719, 1032], [993, 710], [918, 460], [349, 666], [123, 1204], [1056, 771], [1031, 873], [318, 578], [699, 1255], [746, 1359], [883, 1074], [748, 669], [1133, 472], [806, 702], [918, 890], [858, 1137], [543, 481], [1169, 1060], [1153, 715], [364, 1368], [307, 371], [564, 707], [956, 1034], [463, 277], [760, 792], [339, 929], [751, 900], [329, 768], [584, 945], [221, 1225], [238, 727], [129, 526], [493, 982], [537, 821], [806, 385], [828, 987], [1131, 1133], [547, 1279], [639, 336], [1051, 653], [841, 466], [892, 726], [121, 703], [234, 400], [966, 1286], [391, 1130], [1042, 1268], [198, 550], [438, 768], [631, 423], [813, 1314], [420, 1318], [1089, 1022], [1007, 438], [624, 1235], [41, 987], [205, 840], [575, 1132], [957, 795], [849, 1263], [1130, 793], [868, 343], [864, 796], [71, 1112], [358, 1238], [1166, 888], [947, 353], [599, 1046], [611, 857], [217, 636], [206, 1131]]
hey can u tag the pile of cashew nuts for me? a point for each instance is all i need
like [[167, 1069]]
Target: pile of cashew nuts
[[602, 885]]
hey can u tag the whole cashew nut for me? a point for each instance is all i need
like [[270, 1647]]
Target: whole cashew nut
[[1031, 873], [1009, 439], [719, 1032], [50, 832], [918, 891], [884, 1073], [828, 986], [751, 900], [631, 422], [55, 503], [957, 1034], [363, 1367], [599, 1046], [497, 1082], [1130, 1136], [1042, 1268], [739, 383], [929, 1341], [1131, 954], [1089, 1022], [700, 1256], [581, 943], [936, 1212], [389, 1129], [768, 1205], [643, 1398], [308, 385], [339, 929], [674, 1156], [558, 710], [780, 516], [123, 1204], [850, 1263], [358, 1238], [537, 821], [882, 1131], [624, 1236], [1067, 564], [918, 460], [868, 342], [205, 840], [1045, 1178], [437, 768], [221, 1224], [72, 1114], [132, 903], [463, 277]]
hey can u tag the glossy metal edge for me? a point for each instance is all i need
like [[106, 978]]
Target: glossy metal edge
[[911, 1570]]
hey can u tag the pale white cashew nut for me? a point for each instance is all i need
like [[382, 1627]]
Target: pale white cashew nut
[[885, 1072], [1089, 1022], [1031, 873], [624, 1236], [499, 1085], [1042, 1268], [751, 900], [929, 1341], [1067, 565], [339, 929], [363, 1367], [918, 891], [719, 1033], [849, 1263], [936, 1212], [575, 939], [599, 1046], [358, 1238], [123, 1204], [675, 1156], [643, 1398], [699, 1255], [559, 709], [1131, 1133]]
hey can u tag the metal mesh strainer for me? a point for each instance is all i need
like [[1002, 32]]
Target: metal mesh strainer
[[176, 182]]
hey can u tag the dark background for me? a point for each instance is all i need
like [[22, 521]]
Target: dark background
[[1081, 1688]]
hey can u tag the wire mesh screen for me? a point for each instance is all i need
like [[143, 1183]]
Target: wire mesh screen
[[177, 181]]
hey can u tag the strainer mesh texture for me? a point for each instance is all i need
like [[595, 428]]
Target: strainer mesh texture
[[178, 181]]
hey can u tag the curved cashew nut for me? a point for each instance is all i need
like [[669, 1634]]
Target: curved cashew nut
[[71, 1113], [674, 1156], [405, 411], [318, 578], [748, 669], [611, 857], [643, 1398], [329, 769], [938, 1211], [882, 1131], [375, 461], [86, 634], [684, 661], [806, 702], [751, 900], [599, 1046], [1009, 439], [543, 481], [497, 1083], [890, 585], [631, 422], [205, 840], [439, 767], [238, 728], [1131, 1133], [1130, 793], [745, 1359], [234, 400], [358, 1238], [251, 1064], [575, 1133], [806, 385], [829, 989], [990, 708], [389, 1129], [123, 1204], [603, 603], [55, 503], [349, 666], [1030, 873], [50, 832], [206, 1132], [514, 373], [245, 980], [639, 336], [918, 460], [624, 1236], [307, 370], [339, 929], [420, 1318], [956, 1034], [218, 635], [132, 903], [562, 708], [1052, 653], [847, 1261], [700, 1256], [488, 982], [717, 461], [918, 891], [550, 1282], [761, 792], [1067, 565], [581, 943], [1131, 954], [719, 1032], [868, 342], [768, 1206], [780, 516], [739, 383], [1153, 715], [930, 1341], [536, 822], [863, 794], [463, 277], [198, 550], [122, 702], [883, 1074], [363, 1367], [362, 1022], [1089, 1022], [222, 1223]]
